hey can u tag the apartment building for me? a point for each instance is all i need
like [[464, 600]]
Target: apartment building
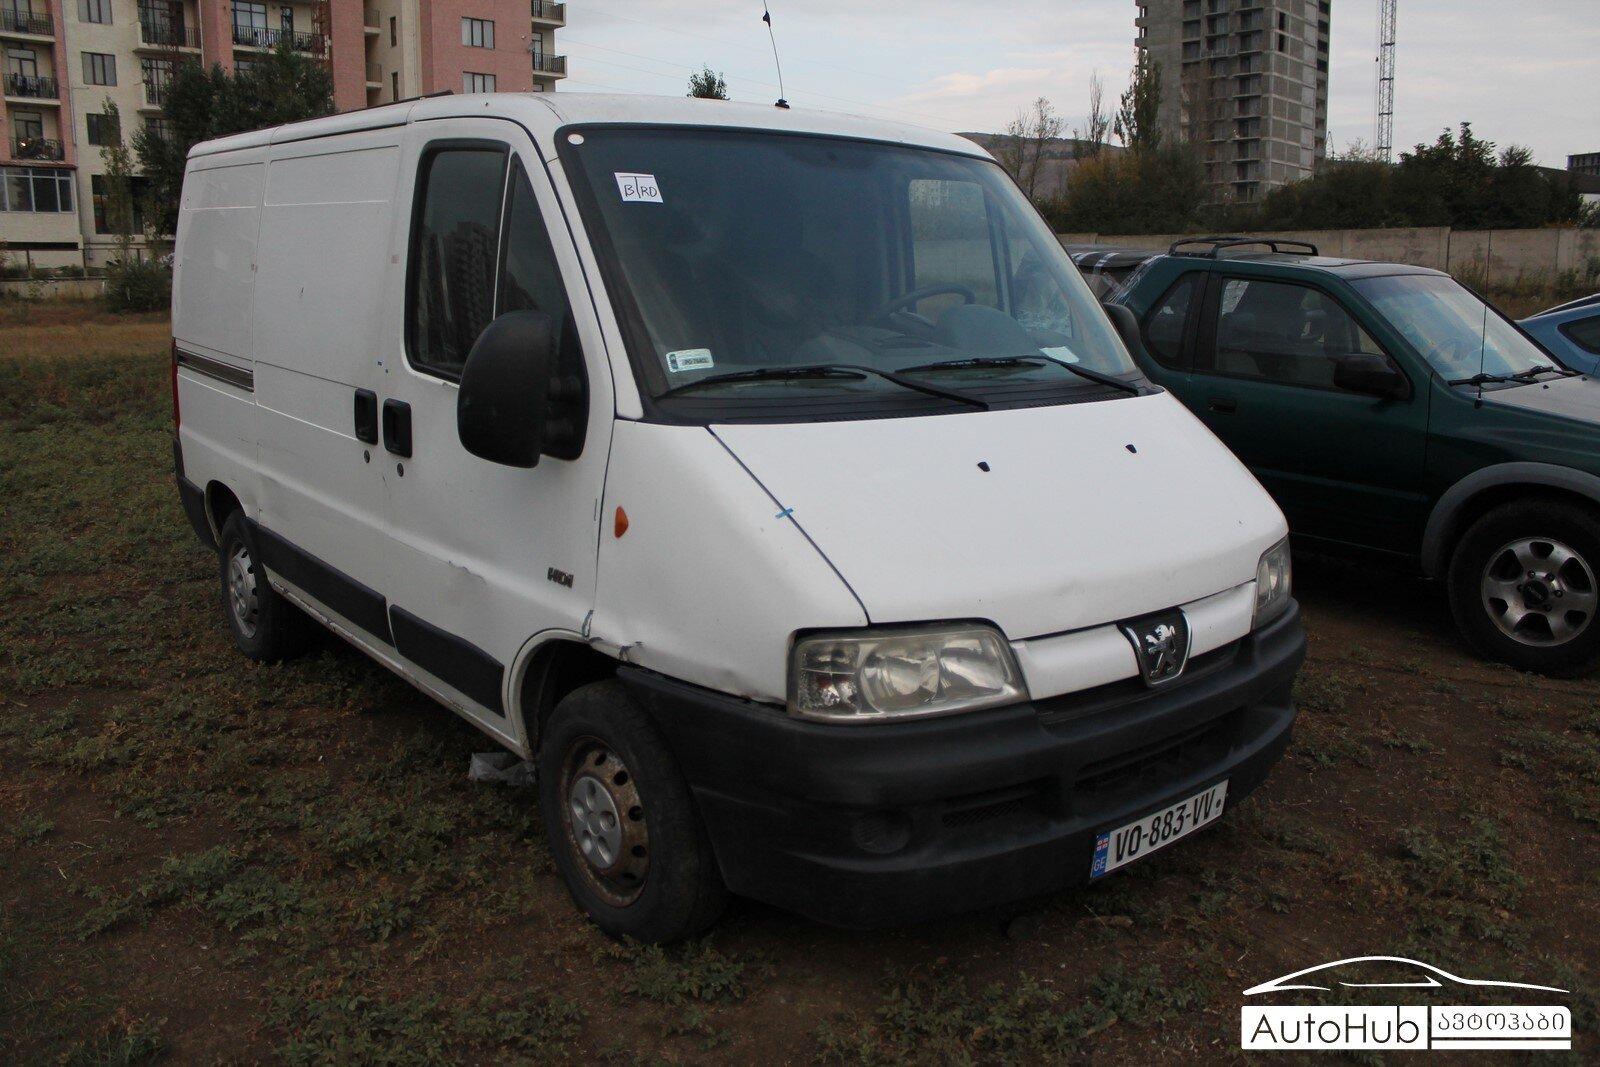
[[65, 58], [1246, 82]]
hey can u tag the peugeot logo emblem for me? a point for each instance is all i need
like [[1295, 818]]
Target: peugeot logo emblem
[[1160, 644]]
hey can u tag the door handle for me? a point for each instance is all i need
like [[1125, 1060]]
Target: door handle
[[1223, 405], [397, 427], [366, 414]]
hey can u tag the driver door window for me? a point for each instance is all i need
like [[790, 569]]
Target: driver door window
[[1283, 333], [950, 244]]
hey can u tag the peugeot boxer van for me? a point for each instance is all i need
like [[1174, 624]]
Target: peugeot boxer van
[[771, 479]]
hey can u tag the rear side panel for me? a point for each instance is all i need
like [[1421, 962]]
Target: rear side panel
[[212, 300]]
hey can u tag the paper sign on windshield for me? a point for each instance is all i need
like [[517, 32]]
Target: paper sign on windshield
[[640, 188]]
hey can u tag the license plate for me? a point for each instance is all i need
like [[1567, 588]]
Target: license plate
[[1121, 846]]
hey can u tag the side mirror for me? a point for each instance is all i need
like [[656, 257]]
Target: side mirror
[[1127, 324], [1370, 375], [504, 402]]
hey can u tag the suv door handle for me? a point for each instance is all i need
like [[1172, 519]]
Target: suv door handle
[[1223, 405], [397, 427], [366, 415]]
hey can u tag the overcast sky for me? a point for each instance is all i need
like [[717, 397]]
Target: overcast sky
[[1526, 73]]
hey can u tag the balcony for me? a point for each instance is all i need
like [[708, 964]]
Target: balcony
[[261, 37], [37, 148], [556, 66], [39, 25], [159, 34], [32, 86], [155, 95], [551, 13]]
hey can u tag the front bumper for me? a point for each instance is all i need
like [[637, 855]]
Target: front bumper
[[867, 826]]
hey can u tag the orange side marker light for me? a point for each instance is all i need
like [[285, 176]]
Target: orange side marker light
[[619, 525]]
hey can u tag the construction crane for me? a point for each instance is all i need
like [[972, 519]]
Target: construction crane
[[1383, 137]]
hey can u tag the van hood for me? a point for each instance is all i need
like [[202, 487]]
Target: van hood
[[1041, 520]]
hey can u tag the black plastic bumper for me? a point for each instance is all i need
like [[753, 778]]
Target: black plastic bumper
[[867, 826], [193, 499]]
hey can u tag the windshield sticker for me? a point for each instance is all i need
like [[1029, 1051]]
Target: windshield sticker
[[1063, 353], [638, 188], [690, 359]]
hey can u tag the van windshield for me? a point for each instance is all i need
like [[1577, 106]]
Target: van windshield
[[1451, 328], [752, 268]]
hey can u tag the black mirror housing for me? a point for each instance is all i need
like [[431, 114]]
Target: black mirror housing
[[504, 403], [1370, 375]]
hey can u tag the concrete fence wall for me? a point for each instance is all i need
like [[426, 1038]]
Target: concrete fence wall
[[1502, 256], [54, 288]]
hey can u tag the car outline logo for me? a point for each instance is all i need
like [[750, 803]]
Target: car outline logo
[[1281, 983]]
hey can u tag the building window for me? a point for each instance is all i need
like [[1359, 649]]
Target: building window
[[394, 32], [250, 24], [477, 33], [28, 189], [476, 83], [536, 45], [159, 128], [99, 193], [538, 87], [94, 11], [99, 68], [157, 74], [103, 130], [394, 85]]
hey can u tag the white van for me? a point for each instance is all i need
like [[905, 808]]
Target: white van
[[770, 478]]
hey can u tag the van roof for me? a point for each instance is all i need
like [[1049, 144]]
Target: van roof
[[543, 113]]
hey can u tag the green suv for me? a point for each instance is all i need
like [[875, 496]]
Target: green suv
[[1387, 408]]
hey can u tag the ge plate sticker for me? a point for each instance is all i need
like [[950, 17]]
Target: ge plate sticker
[[639, 188], [690, 359]]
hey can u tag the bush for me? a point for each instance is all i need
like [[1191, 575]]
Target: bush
[[138, 285]]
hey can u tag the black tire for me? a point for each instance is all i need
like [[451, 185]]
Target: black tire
[[598, 743], [1494, 540], [270, 628]]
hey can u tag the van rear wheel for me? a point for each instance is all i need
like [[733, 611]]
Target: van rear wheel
[[265, 626], [620, 822], [1524, 586]]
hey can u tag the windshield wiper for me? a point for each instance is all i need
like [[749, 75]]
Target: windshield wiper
[[1520, 376], [1021, 361], [827, 370]]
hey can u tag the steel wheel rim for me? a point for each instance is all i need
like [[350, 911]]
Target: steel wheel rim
[[1539, 592], [603, 816], [243, 603]]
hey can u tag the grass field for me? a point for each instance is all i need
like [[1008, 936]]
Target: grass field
[[203, 859]]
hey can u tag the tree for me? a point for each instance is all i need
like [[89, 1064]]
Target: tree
[[199, 104], [118, 179], [707, 84], [1026, 144], [1097, 124], [1153, 190], [1137, 123]]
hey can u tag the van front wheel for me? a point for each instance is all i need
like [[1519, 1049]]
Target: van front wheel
[[265, 626], [1524, 589], [620, 821]]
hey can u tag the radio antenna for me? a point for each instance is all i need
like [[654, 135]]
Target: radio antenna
[[766, 16]]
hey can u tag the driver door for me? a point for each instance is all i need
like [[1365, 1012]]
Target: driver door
[[482, 557], [1343, 466]]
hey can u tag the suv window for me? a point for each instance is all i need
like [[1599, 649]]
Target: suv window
[[1164, 325], [454, 244], [1585, 333], [1282, 332]]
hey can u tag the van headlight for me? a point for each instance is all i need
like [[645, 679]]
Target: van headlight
[[1272, 583], [876, 675]]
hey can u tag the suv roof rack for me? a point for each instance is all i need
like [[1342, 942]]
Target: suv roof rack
[[1216, 244]]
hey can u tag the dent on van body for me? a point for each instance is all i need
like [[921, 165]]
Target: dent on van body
[[708, 581]]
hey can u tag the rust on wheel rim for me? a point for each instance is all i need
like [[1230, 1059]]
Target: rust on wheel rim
[[603, 816]]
